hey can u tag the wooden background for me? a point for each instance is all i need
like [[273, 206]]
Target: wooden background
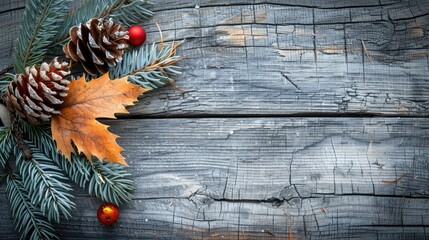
[[297, 114]]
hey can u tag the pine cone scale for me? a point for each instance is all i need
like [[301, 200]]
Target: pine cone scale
[[83, 33], [102, 68], [89, 66], [73, 33], [95, 59], [32, 105], [53, 100], [67, 49], [13, 102], [81, 51], [92, 42], [33, 94]]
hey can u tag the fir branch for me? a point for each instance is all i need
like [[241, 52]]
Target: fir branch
[[110, 184], [83, 12], [107, 181], [46, 185], [28, 220], [131, 12], [126, 12], [5, 145], [78, 170], [149, 66], [39, 26]]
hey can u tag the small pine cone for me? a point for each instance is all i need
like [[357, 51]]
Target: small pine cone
[[38, 93], [98, 45]]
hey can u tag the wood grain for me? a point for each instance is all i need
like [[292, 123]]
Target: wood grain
[[275, 59], [301, 58], [197, 178], [10, 18], [275, 134]]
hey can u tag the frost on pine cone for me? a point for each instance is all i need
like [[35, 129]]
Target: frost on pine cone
[[98, 45], [37, 94]]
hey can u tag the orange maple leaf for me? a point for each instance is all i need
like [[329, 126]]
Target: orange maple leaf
[[86, 101]]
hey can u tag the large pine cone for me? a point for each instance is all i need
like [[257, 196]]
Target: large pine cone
[[38, 93], [98, 45]]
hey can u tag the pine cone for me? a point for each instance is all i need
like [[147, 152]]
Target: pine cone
[[98, 45], [37, 94]]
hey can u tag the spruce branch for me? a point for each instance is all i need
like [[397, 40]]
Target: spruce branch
[[39, 26], [46, 185], [83, 12], [110, 183], [107, 181], [150, 65], [78, 170], [5, 145], [29, 221], [126, 12], [131, 12]]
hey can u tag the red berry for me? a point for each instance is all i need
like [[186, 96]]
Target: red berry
[[108, 213], [137, 35]]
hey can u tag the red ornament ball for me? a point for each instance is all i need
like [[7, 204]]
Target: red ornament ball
[[108, 213], [137, 35]]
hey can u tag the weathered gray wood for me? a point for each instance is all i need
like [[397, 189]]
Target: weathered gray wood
[[289, 57], [257, 178], [270, 58], [11, 5], [10, 17], [239, 177]]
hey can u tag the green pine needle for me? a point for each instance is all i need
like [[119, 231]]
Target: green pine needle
[[149, 66], [46, 185], [39, 192], [131, 13], [126, 12], [84, 11], [107, 181], [39, 26], [29, 221], [5, 145]]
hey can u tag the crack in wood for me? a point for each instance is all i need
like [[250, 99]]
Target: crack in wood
[[289, 80], [277, 202]]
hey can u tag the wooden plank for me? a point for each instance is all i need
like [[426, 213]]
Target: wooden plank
[[9, 21], [10, 17], [303, 57], [272, 58], [254, 178], [325, 4], [260, 178], [11, 5]]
